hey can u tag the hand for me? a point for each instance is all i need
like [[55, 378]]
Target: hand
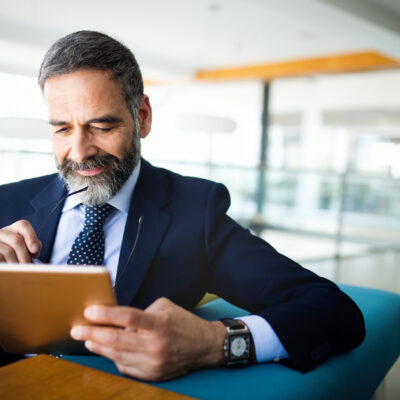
[[160, 343], [19, 243]]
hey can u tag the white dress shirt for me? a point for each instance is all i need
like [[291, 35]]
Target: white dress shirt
[[267, 345], [73, 218]]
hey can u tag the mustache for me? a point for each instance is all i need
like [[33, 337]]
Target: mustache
[[90, 163]]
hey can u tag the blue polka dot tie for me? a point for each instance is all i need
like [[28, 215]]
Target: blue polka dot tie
[[88, 247]]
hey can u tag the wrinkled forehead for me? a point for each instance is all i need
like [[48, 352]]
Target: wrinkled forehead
[[85, 91]]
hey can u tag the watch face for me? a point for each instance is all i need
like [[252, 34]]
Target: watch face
[[239, 346]]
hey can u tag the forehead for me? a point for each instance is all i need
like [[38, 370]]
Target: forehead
[[84, 91]]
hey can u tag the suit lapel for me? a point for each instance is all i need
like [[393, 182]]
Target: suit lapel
[[148, 200], [43, 203]]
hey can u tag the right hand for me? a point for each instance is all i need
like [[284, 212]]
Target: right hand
[[19, 243]]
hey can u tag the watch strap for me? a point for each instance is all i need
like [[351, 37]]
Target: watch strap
[[233, 323]]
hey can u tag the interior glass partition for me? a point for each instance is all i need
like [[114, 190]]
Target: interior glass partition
[[331, 185]]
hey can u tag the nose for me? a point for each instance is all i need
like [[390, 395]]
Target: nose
[[82, 146]]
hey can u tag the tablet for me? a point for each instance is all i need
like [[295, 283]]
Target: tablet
[[40, 303]]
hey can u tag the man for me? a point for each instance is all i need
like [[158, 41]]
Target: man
[[166, 239]]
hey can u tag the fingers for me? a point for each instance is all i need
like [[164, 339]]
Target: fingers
[[126, 348], [7, 254], [128, 363], [134, 354], [119, 357], [25, 229], [18, 243], [126, 317], [115, 338], [167, 339]]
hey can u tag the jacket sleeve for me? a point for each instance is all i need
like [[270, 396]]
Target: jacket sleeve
[[312, 317]]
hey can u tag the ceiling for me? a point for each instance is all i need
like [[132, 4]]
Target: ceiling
[[173, 39]]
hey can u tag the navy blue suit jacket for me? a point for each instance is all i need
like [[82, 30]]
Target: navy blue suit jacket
[[188, 246]]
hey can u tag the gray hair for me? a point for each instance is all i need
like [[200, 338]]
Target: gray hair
[[90, 49]]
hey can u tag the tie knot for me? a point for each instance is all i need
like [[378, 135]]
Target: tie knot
[[96, 215]]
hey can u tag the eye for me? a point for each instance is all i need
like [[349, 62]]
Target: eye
[[97, 128], [62, 130]]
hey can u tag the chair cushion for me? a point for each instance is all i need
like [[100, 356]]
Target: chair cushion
[[353, 375]]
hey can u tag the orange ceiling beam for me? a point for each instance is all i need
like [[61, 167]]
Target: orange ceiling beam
[[149, 82], [362, 61]]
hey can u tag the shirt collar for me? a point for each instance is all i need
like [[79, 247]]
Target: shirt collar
[[121, 201]]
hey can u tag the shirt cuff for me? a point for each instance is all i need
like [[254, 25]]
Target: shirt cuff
[[266, 343]]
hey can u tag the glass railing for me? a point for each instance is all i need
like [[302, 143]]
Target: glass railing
[[356, 207], [375, 269]]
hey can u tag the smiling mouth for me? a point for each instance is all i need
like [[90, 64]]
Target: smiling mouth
[[90, 172]]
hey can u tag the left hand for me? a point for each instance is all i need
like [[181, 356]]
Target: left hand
[[159, 343]]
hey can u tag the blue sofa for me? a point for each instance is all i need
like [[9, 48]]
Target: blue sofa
[[354, 375]]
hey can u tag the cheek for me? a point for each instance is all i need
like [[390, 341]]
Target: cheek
[[60, 148], [118, 146]]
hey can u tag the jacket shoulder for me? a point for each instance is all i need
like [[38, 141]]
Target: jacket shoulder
[[185, 183], [25, 187], [192, 194]]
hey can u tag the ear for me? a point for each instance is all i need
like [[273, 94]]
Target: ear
[[145, 116]]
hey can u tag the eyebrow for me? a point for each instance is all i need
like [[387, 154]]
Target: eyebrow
[[104, 119], [57, 123], [99, 120]]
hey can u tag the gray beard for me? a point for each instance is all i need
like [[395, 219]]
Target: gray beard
[[102, 187]]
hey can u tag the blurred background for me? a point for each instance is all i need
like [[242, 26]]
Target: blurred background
[[293, 104]]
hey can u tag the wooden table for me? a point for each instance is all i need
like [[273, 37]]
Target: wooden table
[[46, 377]]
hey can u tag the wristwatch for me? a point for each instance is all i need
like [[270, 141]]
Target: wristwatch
[[238, 343]]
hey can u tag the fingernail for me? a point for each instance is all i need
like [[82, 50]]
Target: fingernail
[[76, 332], [35, 248], [89, 344], [91, 312]]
